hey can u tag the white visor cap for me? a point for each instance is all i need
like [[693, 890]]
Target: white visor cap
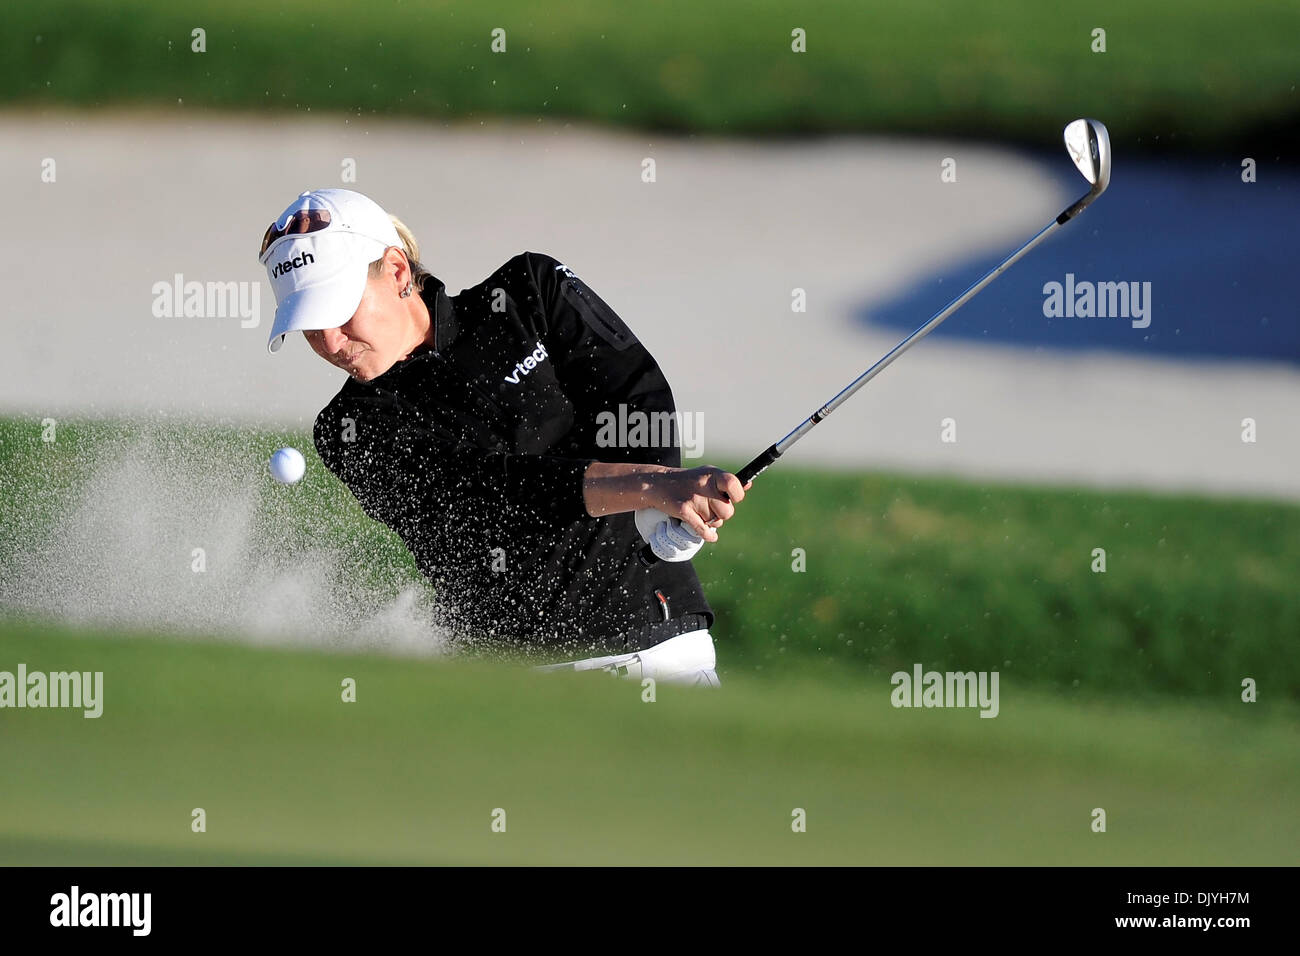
[[319, 258]]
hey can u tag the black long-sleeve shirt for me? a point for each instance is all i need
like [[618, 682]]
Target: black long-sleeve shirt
[[473, 452]]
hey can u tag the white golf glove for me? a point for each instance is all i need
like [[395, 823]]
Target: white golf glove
[[669, 539]]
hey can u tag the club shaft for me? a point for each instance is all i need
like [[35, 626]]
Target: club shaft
[[775, 451]]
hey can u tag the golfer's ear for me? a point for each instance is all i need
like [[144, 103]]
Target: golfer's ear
[[400, 268]]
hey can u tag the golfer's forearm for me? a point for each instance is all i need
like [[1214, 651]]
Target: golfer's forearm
[[612, 487]]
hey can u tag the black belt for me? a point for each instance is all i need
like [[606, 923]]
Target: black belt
[[656, 633]]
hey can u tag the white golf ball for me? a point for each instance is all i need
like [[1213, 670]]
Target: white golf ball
[[288, 466]]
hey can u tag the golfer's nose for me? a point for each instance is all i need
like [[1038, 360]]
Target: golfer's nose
[[333, 339]]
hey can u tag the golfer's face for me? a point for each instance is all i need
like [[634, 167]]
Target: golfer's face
[[369, 343]]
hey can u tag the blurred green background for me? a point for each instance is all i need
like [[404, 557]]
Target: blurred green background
[[588, 773], [1198, 593], [1118, 690], [1191, 76]]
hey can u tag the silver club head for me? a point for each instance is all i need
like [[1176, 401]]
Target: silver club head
[[1089, 146]]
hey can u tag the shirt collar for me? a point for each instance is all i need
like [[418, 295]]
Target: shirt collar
[[441, 313]]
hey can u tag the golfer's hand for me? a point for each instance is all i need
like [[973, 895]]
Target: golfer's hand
[[701, 498], [668, 538]]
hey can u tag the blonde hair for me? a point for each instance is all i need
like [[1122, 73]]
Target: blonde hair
[[412, 249]]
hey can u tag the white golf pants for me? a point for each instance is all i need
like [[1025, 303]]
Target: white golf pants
[[685, 659]]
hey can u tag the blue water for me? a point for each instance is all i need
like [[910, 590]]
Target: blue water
[[1222, 257]]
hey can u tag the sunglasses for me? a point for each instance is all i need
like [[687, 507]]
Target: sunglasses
[[303, 221]]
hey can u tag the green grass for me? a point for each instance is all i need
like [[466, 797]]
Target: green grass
[[1198, 594], [588, 773], [1192, 75]]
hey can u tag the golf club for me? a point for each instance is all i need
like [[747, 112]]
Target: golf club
[[1089, 146]]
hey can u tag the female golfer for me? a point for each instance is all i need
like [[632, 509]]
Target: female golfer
[[471, 425]]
